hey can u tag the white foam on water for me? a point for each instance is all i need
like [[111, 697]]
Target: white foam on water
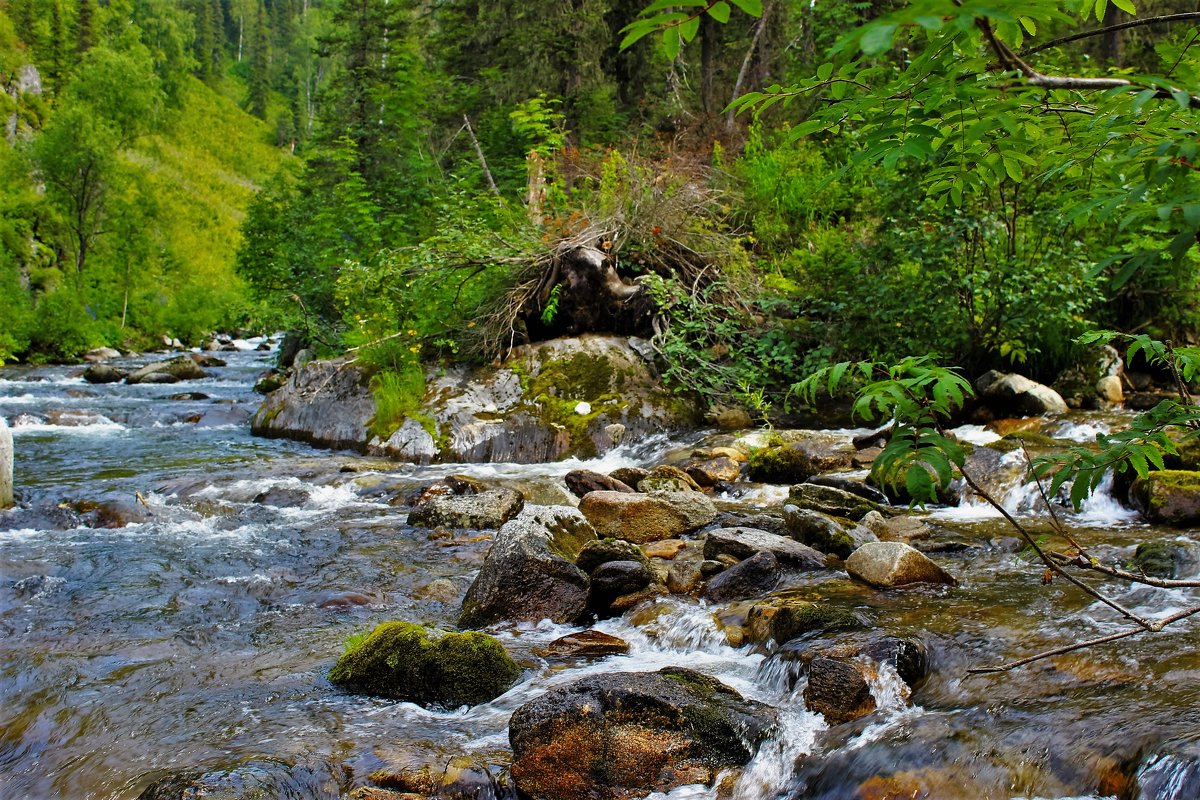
[[1080, 431], [975, 434], [97, 425]]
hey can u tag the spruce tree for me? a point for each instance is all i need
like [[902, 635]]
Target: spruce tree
[[260, 65]]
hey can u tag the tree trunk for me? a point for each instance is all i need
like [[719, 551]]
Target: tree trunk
[[1112, 43], [710, 44], [6, 465]]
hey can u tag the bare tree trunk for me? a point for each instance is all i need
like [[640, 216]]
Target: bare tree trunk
[[746, 62], [6, 465], [1112, 43], [487, 173], [710, 43], [535, 199]]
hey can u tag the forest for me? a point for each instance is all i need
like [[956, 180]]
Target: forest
[[785, 184]]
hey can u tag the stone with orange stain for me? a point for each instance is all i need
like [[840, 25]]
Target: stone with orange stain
[[622, 736]]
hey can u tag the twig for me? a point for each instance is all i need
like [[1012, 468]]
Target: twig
[[1028, 51], [1155, 627]]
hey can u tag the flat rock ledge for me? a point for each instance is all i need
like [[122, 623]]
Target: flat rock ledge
[[549, 400]]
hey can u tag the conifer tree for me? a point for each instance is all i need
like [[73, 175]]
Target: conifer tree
[[260, 65], [84, 23]]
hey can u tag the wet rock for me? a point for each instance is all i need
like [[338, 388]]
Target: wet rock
[[684, 578], [797, 461], [173, 370], [851, 485], [743, 543], [585, 644], [36, 587], [324, 403], [819, 531], [209, 361], [770, 523], [831, 501], [1166, 559], [665, 478], [839, 689], [441, 590], [907, 529], [629, 601], [756, 575], [714, 471], [615, 579], [582, 481], [1109, 390], [602, 551], [529, 573], [483, 511], [101, 354], [187, 396], [643, 732], [642, 518], [259, 779], [104, 373], [1170, 774], [630, 476], [270, 381], [1009, 394], [282, 497], [1169, 497], [402, 661], [114, 512], [891, 564], [666, 549], [781, 618]]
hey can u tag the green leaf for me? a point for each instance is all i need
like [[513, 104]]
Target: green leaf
[[671, 43], [719, 12], [878, 38], [1125, 5], [689, 29], [752, 7]]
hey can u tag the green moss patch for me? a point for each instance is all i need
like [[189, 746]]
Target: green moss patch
[[402, 661]]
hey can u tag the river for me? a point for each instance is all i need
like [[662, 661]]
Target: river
[[198, 637]]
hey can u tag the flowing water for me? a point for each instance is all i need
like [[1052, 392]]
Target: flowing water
[[198, 636]]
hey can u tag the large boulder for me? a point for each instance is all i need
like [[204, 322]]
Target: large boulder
[[743, 543], [1170, 497], [324, 403], [828, 500], [402, 661], [624, 735], [529, 573], [642, 518], [173, 370], [614, 579], [1012, 395], [891, 564], [485, 510], [546, 401]]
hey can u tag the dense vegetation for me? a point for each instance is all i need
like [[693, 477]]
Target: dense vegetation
[[417, 169]]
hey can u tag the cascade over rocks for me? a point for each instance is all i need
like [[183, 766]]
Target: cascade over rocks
[[546, 401], [529, 573], [621, 736]]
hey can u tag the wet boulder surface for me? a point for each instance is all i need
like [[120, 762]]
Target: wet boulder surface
[[623, 735]]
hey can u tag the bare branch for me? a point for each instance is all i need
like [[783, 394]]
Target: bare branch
[[1137, 23], [1156, 627]]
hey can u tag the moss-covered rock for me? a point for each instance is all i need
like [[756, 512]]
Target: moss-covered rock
[[818, 531], [601, 551], [1170, 497], [781, 619], [402, 661], [797, 461]]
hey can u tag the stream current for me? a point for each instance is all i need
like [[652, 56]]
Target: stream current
[[199, 635]]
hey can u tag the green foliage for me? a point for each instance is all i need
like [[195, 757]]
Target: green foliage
[[1151, 435], [398, 392], [917, 396]]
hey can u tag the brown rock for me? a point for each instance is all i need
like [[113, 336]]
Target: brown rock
[[665, 548], [641, 518], [838, 689], [582, 481], [585, 644], [714, 471], [665, 478]]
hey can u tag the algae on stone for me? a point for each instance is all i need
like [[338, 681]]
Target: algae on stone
[[401, 661]]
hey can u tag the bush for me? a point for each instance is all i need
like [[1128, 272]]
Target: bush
[[62, 329]]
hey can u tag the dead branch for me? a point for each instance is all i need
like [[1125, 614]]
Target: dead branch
[[1137, 23]]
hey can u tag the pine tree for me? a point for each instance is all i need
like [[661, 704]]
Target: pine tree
[[84, 27], [260, 65]]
